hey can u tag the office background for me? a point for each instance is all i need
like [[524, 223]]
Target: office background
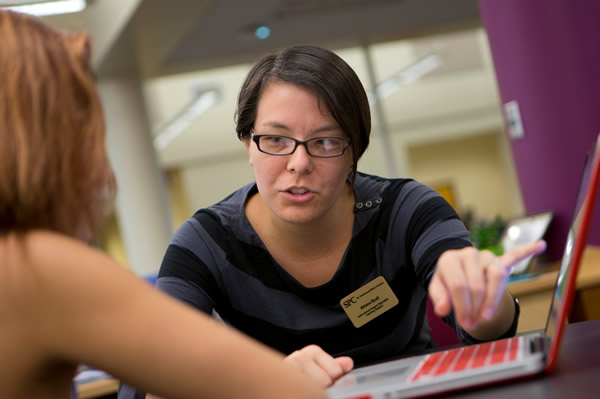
[[446, 128]]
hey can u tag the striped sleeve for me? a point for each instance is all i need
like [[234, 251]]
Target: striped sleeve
[[433, 227], [190, 267]]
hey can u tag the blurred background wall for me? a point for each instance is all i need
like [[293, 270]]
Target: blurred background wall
[[170, 71]]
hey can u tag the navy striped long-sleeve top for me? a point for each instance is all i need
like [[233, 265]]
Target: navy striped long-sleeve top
[[217, 263]]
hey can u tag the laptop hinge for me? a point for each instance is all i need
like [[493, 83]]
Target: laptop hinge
[[537, 344]]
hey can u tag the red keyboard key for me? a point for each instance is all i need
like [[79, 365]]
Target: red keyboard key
[[428, 365], [481, 355], [446, 362], [514, 348], [469, 357], [499, 352], [465, 357]]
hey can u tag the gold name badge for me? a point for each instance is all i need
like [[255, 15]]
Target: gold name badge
[[369, 301]]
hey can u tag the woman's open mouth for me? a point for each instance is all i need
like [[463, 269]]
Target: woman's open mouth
[[298, 194]]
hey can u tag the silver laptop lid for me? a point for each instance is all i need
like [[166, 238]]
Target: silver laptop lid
[[564, 290]]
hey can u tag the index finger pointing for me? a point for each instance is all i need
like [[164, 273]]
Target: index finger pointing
[[522, 251]]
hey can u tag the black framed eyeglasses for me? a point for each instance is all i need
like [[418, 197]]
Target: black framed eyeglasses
[[320, 147]]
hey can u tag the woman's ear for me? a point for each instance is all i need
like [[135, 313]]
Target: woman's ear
[[81, 45], [247, 144]]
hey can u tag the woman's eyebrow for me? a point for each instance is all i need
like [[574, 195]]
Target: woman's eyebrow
[[322, 129], [276, 125], [328, 128]]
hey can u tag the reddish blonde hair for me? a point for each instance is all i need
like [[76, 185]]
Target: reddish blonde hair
[[54, 172]]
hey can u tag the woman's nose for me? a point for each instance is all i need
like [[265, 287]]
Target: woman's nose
[[300, 161]]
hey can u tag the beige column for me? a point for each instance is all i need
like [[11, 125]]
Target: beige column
[[142, 201]]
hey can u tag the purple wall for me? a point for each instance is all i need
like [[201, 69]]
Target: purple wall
[[547, 57]]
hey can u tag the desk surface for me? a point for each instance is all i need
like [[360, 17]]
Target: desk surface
[[575, 376], [535, 293], [588, 276], [581, 348], [576, 373], [98, 388]]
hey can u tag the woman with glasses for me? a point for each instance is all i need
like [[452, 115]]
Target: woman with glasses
[[327, 265], [63, 303]]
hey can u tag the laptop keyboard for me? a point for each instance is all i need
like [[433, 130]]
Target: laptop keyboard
[[467, 358]]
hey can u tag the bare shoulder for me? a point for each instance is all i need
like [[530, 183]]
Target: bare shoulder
[[52, 248], [25, 254], [41, 247], [44, 268], [62, 255], [54, 293], [67, 288]]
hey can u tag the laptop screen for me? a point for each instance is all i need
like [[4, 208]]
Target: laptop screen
[[576, 241], [523, 230]]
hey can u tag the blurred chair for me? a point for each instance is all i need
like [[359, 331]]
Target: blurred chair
[[443, 335], [151, 278]]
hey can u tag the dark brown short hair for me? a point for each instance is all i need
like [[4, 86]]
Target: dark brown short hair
[[333, 81], [54, 172]]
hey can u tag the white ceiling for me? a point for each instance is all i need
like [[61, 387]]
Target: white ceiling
[[187, 35], [178, 46]]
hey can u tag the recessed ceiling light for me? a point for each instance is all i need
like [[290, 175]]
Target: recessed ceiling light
[[262, 32], [409, 74], [42, 8], [202, 102]]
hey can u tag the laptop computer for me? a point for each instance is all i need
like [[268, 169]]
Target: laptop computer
[[521, 230], [525, 355]]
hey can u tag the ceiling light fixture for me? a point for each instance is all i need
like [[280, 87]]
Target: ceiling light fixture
[[409, 74], [202, 102], [262, 32], [43, 8]]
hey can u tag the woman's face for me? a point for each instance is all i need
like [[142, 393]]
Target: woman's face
[[297, 188]]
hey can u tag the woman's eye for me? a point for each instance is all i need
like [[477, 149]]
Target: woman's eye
[[328, 142], [270, 140]]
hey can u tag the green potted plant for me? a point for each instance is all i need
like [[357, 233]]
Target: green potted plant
[[485, 234]]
